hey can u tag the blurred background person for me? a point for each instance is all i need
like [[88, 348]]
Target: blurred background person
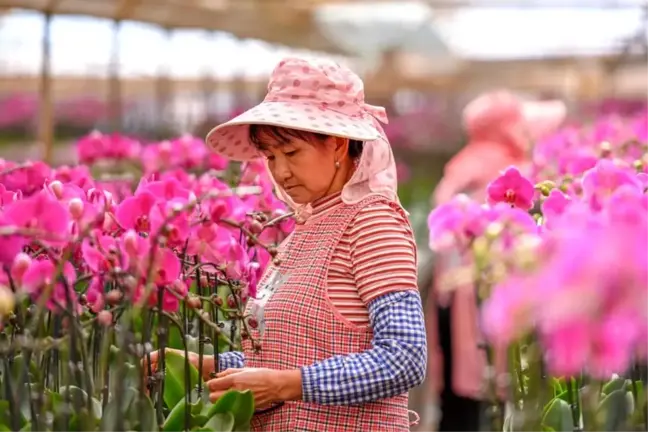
[[501, 130]]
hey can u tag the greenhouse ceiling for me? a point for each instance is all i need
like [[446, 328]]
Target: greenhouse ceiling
[[437, 29]]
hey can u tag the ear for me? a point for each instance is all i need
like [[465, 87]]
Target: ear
[[341, 148]]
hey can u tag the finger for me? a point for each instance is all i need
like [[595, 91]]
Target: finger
[[214, 396], [227, 372], [150, 360], [152, 356], [218, 384]]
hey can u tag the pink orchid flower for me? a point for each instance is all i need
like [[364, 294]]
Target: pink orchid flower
[[512, 188]]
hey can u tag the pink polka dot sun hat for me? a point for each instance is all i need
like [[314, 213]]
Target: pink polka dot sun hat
[[309, 95]]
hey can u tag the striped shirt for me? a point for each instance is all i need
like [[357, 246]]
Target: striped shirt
[[372, 281], [378, 242]]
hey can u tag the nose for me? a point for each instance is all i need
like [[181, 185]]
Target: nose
[[280, 170]]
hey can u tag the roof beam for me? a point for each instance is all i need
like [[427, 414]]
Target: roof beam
[[125, 8]]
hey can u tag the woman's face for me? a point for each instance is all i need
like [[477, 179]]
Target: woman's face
[[305, 169]]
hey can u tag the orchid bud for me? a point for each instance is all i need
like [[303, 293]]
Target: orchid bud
[[606, 149], [194, 302], [179, 287], [108, 223], [256, 227], [130, 243], [105, 318], [638, 165], [76, 208], [480, 249], [493, 230], [545, 187], [7, 301], [21, 263], [57, 189], [177, 207], [193, 200], [217, 300], [526, 249], [113, 297], [109, 199], [130, 282]]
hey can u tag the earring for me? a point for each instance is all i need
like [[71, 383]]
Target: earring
[[337, 164]]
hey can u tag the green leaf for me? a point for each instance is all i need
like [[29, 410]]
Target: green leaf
[[193, 346], [220, 422], [558, 416], [240, 404], [128, 376], [614, 410], [113, 411], [143, 410], [79, 398], [630, 400], [175, 419], [174, 380], [110, 415], [25, 399], [198, 420], [81, 421], [18, 366], [614, 384], [197, 406], [5, 415], [176, 339]]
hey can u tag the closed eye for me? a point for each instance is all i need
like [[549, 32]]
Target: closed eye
[[291, 153]]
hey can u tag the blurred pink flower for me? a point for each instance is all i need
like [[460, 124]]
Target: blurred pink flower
[[41, 213], [42, 279], [455, 223]]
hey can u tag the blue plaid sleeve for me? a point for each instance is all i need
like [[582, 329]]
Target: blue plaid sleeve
[[231, 359], [396, 362]]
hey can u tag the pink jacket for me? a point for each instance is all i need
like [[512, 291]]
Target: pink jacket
[[501, 130]]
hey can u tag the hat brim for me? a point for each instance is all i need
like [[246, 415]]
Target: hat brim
[[543, 117], [231, 139]]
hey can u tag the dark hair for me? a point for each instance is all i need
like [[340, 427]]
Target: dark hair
[[260, 135]]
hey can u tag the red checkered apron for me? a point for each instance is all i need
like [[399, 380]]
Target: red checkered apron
[[302, 327]]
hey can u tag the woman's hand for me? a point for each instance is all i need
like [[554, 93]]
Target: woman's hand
[[207, 366], [267, 385]]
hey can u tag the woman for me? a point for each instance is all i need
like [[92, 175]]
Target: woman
[[501, 129], [340, 320]]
